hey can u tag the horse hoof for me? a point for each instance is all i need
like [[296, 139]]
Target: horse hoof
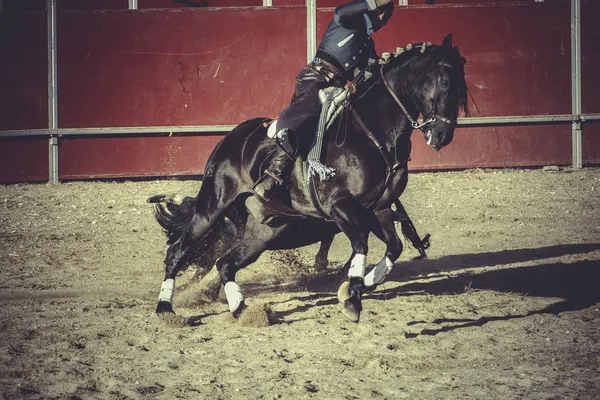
[[238, 311], [164, 307], [351, 304], [350, 311], [371, 288]]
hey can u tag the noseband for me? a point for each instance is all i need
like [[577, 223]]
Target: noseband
[[415, 124]]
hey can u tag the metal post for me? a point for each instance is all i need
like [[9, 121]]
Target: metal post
[[133, 4], [267, 3], [576, 135], [311, 29], [52, 92], [402, 2]]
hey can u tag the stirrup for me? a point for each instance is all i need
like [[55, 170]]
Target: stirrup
[[277, 178], [265, 189]]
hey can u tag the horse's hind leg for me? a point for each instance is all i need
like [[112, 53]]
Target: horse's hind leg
[[177, 256], [255, 241], [409, 231], [321, 257]]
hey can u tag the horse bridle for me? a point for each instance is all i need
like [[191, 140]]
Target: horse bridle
[[416, 124]]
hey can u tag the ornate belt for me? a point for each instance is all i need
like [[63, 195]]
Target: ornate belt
[[328, 66]]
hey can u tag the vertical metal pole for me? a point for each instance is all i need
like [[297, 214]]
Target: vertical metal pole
[[52, 92], [402, 2], [267, 3], [311, 29], [133, 4], [577, 146]]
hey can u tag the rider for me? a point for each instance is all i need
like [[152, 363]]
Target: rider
[[345, 49]]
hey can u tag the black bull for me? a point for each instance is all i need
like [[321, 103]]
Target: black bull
[[368, 147]]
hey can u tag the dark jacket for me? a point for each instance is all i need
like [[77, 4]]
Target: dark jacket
[[347, 42]]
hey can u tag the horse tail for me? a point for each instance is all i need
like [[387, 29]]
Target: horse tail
[[173, 214]]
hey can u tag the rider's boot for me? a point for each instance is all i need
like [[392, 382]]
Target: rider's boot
[[274, 176]]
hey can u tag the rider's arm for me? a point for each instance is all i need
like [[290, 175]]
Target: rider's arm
[[347, 14]]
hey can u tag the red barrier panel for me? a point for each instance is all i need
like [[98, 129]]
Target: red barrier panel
[[590, 64], [527, 72], [144, 4], [23, 5], [221, 66], [23, 159], [103, 157], [590, 88], [69, 5], [518, 56], [499, 146], [23, 71], [591, 142], [177, 67], [444, 2]]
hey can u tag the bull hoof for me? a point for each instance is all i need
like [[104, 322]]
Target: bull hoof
[[164, 307], [350, 301]]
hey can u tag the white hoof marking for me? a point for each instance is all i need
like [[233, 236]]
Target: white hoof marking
[[358, 266], [378, 274], [234, 295], [166, 290]]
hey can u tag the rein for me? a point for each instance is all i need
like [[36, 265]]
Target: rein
[[414, 124]]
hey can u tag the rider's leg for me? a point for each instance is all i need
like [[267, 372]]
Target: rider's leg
[[278, 170], [300, 115]]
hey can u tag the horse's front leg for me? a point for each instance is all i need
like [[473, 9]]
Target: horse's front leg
[[386, 232], [354, 221]]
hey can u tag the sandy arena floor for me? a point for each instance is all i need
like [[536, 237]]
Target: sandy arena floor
[[506, 306]]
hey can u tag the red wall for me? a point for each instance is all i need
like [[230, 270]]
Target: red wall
[[23, 159], [209, 66], [177, 67], [23, 71], [106, 157], [518, 63]]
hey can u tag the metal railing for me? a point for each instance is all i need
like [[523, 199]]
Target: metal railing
[[576, 119]]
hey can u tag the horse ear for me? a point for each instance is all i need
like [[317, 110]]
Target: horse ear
[[447, 45]]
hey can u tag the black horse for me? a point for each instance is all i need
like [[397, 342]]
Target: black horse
[[368, 148], [173, 213]]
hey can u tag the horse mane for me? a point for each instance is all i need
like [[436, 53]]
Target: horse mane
[[418, 57]]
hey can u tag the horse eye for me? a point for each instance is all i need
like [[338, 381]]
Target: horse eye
[[445, 83]]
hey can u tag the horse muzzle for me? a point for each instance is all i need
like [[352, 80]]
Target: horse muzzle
[[439, 133]]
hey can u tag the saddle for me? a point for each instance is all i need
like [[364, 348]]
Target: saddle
[[333, 100]]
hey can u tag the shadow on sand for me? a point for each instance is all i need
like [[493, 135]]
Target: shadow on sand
[[576, 283]]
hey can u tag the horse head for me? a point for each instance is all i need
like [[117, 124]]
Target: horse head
[[431, 79]]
